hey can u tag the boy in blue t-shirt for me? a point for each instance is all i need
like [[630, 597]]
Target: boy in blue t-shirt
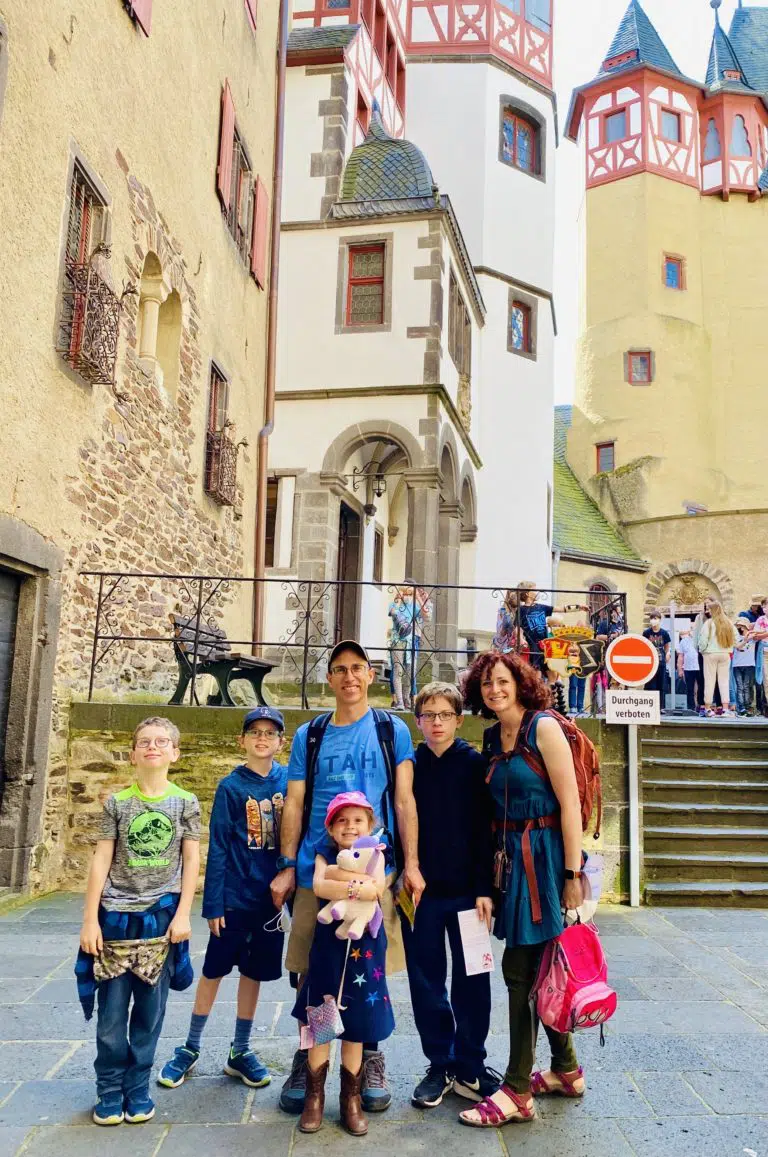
[[246, 929]]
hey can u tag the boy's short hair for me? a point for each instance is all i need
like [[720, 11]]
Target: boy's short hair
[[448, 691], [158, 721]]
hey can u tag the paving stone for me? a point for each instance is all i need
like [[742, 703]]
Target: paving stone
[[446, 1137], [682, 1016], [228, 1140], [49, 1103], [11, 1140], [14, 943], [645, 966], [676, 988], [206, 1100], [14, 991], [56, 1022], [221, 1022], [669, 1095], [608, 1095], [696, 1136], [22, 1063], [754, 1005], [736, 1052], [750, 954], [642, 1052], [627, 989], [80, 1140], [30, 964], [731, 1092]]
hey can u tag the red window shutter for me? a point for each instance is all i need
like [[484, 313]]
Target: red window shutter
[[260, 230], [226, 146], [251, 9], [141, 10]]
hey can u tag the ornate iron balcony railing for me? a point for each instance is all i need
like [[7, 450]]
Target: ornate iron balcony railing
[[90, 324], [221, 467]]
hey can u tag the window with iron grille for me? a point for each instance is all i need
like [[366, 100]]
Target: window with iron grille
[[365, 285], [240, 210], [220, 449], [459, 329]]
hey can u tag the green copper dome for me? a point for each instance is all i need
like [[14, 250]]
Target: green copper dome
[[382, 168]]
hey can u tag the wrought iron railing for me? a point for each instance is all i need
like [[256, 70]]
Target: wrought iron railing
[[90, 324], [221, 467], [129, 608]]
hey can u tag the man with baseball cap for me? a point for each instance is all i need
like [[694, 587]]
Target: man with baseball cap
[[354, 748]]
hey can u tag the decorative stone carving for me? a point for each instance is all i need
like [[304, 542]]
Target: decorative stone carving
[[464, 401]]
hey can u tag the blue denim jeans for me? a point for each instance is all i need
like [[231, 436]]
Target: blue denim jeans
[[125, 1045], [576, 687], [452, 1032]]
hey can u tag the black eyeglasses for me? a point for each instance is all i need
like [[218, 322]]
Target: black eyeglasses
[[355, 669], [443, 716]]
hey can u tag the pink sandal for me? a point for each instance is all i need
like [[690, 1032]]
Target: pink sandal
[[492, 1117], [540, 1088]]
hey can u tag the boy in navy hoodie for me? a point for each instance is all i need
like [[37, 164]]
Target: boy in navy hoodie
[[237, 903], [456, 860]]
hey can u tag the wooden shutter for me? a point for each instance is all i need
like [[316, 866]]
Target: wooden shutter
[[141, 10], [226, 145], [251, 9], [260, 230]]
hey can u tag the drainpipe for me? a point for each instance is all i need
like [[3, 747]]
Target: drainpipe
[[259, 553]]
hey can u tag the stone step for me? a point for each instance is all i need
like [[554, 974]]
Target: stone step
[[700, 839], [704, 791], [710, 894], [699, 867], [755, 770], [708, 742], [712, 814]]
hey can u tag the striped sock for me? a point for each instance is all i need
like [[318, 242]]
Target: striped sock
[[195, 1034], [242, 1035]]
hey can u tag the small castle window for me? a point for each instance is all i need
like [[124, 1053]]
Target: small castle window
[[639, 367], [459, 329], [378, 555], [606, 457], [520, 328], [520, 142], [674, 272], [712, 149], [615, 126], [365, 288], [671, 129], [740, 146]]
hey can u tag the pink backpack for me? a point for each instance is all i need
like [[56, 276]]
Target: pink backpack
[[571, 989]]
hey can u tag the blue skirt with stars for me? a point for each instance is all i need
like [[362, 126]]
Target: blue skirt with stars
[[367, 1014]]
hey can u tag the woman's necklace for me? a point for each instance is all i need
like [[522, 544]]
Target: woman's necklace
[[509, 737]]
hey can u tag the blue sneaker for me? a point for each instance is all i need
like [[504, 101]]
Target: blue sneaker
[[139, 1107], [178, 1068], [108, 1110], [375, 1092], [248, 1068]]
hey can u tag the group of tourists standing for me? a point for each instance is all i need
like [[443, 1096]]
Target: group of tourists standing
[[440, 816]]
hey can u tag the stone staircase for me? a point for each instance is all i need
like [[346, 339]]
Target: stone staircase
[[704, 789]]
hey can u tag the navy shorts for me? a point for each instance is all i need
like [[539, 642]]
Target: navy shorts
[[243, 944]]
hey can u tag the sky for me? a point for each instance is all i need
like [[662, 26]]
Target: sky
[[584, 30]]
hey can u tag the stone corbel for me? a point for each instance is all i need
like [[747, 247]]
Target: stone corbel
[[335, 482]]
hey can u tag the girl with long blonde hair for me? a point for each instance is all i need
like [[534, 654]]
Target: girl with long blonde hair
[[716, 641]]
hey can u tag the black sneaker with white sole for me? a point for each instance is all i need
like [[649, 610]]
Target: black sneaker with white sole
[[484, 1085], [430, 1091]]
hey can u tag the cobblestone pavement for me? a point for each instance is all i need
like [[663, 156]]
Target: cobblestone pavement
[[684, 1072]]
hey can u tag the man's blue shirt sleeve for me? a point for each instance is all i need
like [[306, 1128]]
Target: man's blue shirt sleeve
[[403, 741], [220, 835], [297, 764]]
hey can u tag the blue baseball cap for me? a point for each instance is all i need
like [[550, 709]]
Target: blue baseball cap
[[271, 714]]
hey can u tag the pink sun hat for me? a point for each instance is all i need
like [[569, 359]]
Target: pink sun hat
[[346, 799]]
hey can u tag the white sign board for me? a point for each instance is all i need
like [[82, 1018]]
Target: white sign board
[[632, 707]]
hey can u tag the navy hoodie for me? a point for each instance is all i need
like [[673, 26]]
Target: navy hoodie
[[455, 813], [244, 840]]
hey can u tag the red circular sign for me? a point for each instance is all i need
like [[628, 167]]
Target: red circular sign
[[632, 660]]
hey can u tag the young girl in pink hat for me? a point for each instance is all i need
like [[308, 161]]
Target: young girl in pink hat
[[352, 968]]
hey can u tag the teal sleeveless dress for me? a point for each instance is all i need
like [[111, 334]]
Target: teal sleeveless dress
[[528, 797]]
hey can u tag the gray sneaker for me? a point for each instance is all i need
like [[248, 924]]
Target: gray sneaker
[[375, 1091]]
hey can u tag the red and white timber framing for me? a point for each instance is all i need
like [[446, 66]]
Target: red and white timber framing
[[732, 171], [457, 28]]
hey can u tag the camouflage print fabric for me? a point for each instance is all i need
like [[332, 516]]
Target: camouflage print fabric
[[144, 958]]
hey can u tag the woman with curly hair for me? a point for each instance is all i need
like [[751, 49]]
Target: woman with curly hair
[[538, 822]]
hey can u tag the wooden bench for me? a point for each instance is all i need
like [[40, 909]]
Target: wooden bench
[[214, 657]]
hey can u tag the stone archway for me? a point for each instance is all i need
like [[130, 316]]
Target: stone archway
[[688, 583]]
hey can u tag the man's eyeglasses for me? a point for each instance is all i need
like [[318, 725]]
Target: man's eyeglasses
[[432, 716], [262, 733], [355, 669], [161, 743]]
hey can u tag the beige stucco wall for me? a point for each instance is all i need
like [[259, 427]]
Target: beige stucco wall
[[578, 576]]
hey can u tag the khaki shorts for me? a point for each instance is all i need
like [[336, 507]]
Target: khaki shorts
[[304, 920]]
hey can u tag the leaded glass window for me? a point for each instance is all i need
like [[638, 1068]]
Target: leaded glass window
[[519, 142], [365, 290], [520, 327]]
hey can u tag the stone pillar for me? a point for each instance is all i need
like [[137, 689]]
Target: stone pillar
[[447, 601], [150, 316], [422, 551]]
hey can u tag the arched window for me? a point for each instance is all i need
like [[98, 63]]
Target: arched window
[[740, 146], [599, 598], [712, 149], [520, 145]]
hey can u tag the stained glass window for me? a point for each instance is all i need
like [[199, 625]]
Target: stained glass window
[[519, 142], [365, 292], [712, 148], [520, 327], [616, 126]]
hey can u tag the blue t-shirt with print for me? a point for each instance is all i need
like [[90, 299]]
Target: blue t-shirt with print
[[350, 759], [533, 620]]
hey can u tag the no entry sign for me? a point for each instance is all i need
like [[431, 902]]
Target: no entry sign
[[632, 660]]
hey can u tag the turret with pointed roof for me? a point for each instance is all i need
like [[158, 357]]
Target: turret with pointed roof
[[637, 42], [724, 69]]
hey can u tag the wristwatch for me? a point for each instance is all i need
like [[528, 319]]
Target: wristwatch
[[284, 862], [569, 874]]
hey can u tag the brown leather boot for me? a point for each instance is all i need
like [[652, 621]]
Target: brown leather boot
[[353, 1118], [314, 1102]]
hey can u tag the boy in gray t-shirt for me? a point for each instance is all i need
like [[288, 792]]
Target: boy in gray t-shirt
[[137, 906]]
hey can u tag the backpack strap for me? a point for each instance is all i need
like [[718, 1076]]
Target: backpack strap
[[525, 747], [385, 733], [315, 732]]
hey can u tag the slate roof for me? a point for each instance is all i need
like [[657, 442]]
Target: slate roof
[[637, 32], [580, 528], [749, 37], [721, 58], [382, 168], [319, 39]]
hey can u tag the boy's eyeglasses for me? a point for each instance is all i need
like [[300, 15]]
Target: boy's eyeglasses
[[355, 669], [160, 744], [262, 733], [432, 716]]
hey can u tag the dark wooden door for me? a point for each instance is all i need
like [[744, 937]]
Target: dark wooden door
[[9, 605], [347, 598]]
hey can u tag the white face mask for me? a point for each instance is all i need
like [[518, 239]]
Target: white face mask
[[280, 922]]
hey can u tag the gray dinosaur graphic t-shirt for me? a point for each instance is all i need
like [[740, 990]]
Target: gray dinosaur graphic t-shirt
[[148, 831]]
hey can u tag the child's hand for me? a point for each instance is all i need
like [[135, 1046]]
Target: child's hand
[[91, 939], [368, 890], [179, 929], [216, 925], [484, 909]]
